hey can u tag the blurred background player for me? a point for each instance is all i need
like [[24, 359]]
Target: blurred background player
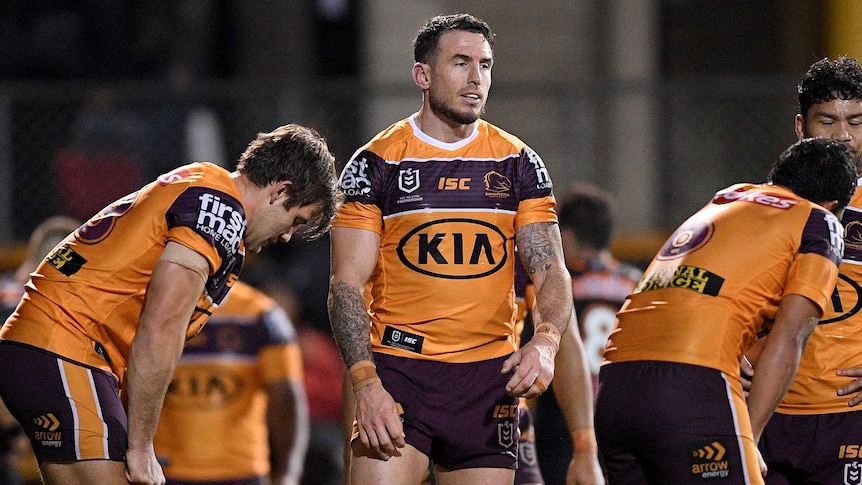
[[670, 406], [235, 411], [812, 436], [42, 240], [600, 285]]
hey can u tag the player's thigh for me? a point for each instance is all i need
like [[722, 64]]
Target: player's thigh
[[70, 412], [459, 415], [475, 476], [84, 472], [408, 469]]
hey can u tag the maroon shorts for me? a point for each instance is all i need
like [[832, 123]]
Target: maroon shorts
[[528, 471], [817, 448], [69, 411], [458, 414], [663, 422]]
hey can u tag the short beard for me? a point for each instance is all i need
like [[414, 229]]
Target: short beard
[[441, 109]]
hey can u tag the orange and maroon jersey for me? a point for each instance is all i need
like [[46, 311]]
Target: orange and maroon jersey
[[84, 300], [718, 280], [213, 423], [837, 340], [446, 214]]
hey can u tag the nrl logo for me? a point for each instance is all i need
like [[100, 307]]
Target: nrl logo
[[408, 180], [506, 434]]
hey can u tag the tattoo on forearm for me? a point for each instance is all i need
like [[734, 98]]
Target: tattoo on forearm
[[349, 323], [536, 246]]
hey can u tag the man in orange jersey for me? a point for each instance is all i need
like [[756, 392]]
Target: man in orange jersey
[[814, 435], [235, 411], [110, 308], [670, 406], [435, 206]]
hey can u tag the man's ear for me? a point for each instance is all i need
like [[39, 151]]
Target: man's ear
[[421, 75], [280, 192], [799, 126]]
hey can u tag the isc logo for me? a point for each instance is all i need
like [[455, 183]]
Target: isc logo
[[505, 411], [849, 451], [454, 183]]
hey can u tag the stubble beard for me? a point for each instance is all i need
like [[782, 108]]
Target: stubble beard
[[443, 110]]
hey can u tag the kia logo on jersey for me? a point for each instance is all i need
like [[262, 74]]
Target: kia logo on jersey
[[203, 388], [454, 249]]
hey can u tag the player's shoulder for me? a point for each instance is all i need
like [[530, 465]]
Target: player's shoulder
[[394, 136], [499, 136], [202, 174], [856, 199], [766, 195]]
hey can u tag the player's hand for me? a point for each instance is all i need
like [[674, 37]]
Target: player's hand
[[380, 429], [746, 373], [761, 462], [534, 369], [142, 467], [854, 386], [584, 469]]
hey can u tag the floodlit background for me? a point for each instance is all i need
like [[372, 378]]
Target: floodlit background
[[661, 102]]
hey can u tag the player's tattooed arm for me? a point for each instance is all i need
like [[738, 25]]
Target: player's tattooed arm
[[536, 246], [541, 251], [349, 323], [353, 259]]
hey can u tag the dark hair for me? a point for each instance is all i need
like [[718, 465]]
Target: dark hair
[[427, 39], [298, 154], [586, 210], [826, 80], [816, 169]]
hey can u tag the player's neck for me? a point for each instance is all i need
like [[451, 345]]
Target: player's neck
[[442, 129]]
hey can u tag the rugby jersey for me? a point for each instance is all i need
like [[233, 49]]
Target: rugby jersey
[[213, 422], [84, 300], [446, 213], [837, 340], [718, 280]]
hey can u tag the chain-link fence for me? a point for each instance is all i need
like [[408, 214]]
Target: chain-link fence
[[71, 149]]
